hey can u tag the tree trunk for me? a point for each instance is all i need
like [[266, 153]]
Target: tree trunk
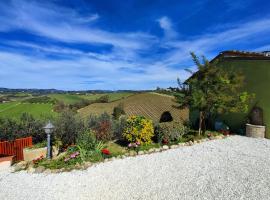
[[200, 122], [202, 125]]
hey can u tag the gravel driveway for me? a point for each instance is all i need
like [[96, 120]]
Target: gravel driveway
[[232, 168]]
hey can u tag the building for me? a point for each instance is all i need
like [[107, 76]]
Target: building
[[256, 68]]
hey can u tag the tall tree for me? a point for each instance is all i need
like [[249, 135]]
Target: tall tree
[[213, 90]]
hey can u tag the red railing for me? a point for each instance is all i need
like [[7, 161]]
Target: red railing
[[15, 148]]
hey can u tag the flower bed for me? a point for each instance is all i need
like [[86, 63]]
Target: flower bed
[[72, 160]]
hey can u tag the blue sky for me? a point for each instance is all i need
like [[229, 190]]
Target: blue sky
[[116, 44]]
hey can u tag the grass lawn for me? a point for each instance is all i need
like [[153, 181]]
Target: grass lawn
[[15, 109]]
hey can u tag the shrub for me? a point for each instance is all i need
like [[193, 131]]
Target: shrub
[[27, 126], [67, 128], [170, 131], [166, 117], [103, 99], [139, 129], [118, 111], [86, 140], [119, 127], [102, 126]]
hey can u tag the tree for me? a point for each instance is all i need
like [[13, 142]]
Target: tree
[[118, 111], [213, 90]]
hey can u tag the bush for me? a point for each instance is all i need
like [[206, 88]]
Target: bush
[[119, 127], [27, 126], [118, 111], [88, 144], [103, 99], [40, 99], [67, 128], [102, 126], [166, 117], [139, 129], [170, 131]]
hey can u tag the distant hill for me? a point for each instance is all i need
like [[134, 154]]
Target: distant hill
[[150, 105]]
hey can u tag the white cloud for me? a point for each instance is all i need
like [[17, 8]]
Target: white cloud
[[167, 26]]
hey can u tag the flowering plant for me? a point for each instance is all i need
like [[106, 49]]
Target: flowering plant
[[35, 161], [139, 129], [106, 151], [134, 145], [72, 156]]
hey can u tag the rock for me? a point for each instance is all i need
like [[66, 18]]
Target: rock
[[47, 171], [157, 149], [127, 154], [181, 144], [88, 164], [173, 146], [123, 156], [151, 150], [31, 169], [112, 159], [40, 169], [132, 153], [140, 152], [165, 147], [106, 160], [20, 166]]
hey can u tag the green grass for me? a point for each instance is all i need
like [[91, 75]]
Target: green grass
[[115, 149], [15, 109], [75, 98], [67, 98]]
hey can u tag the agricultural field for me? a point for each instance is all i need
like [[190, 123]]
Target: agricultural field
[[150, 105], [20, 104], [15, 109], [75, 98]]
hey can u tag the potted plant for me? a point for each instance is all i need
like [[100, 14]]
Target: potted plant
[[255, 126]]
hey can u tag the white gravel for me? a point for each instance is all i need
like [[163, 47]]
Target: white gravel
[[233, 168]]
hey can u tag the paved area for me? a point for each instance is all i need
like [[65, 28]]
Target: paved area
[[233, 168]]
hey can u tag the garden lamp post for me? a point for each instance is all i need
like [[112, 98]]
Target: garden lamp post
[[48, 130]]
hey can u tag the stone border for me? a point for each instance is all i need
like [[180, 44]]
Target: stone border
[[30, 169]]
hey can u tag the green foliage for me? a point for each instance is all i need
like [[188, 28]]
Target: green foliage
[[40, 99], [27, 126], [118, 111], [213, 90], [103, 99], [119, 127], [170, 131], [67, 127], [102, 126], [139, 129]]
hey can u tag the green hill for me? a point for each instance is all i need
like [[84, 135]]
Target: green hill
[[150, 105]]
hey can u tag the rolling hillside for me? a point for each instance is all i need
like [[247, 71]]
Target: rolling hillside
[[150, 105], [75, 98]]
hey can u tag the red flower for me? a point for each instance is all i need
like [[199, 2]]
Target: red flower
[[106, 151]]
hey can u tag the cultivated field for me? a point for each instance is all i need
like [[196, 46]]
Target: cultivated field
[[15, 109], [150, 105], [17, 106], [75, 98]]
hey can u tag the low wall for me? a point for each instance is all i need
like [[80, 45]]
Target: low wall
[[31, 154]]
